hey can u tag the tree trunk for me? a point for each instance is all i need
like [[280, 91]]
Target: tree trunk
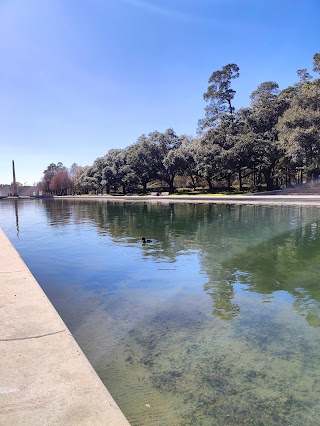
[[210, 184], [229, 182], [193, 182], [240, 180], [171, 185], [144, 187], [268, 179]]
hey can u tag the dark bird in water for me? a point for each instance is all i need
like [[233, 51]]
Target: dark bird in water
[[145, 241]]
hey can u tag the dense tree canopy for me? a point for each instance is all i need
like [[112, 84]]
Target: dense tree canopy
[[299, 128], [219, 95]]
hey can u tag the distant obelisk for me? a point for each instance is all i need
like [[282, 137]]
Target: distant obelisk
[[15, 194]]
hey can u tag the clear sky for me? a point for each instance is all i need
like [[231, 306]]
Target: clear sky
[[80, 77]]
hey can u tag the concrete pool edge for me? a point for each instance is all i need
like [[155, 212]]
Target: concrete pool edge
[[289, 200], [44, 376]]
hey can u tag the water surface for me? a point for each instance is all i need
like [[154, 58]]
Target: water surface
[[216, 322]]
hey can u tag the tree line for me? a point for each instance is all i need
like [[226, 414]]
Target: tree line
[[272, 143]]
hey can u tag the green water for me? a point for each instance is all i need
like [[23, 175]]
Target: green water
[[216, 322]]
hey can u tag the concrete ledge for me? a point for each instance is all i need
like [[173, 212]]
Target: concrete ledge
[[257, 199], [45, 379]]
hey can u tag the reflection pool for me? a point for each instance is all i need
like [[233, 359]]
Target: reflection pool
[[215, 322]]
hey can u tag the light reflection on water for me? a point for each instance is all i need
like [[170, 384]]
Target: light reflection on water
[[215, 322]]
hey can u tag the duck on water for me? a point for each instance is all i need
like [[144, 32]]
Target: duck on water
[[144, 241]]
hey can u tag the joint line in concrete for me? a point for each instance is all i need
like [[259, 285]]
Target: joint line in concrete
[[32, 337]]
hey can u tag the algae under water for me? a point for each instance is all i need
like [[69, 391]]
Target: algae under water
[[216, 322]]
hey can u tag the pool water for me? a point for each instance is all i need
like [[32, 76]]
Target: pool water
[[215, 322]]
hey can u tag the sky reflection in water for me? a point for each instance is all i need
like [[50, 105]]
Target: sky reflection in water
[[215, 322]]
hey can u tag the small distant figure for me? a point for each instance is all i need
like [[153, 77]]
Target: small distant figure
[[144, 241]]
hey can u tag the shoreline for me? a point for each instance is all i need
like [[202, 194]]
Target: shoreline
[[261, 199]]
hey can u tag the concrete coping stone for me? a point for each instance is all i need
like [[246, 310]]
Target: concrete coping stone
[[45, 379]]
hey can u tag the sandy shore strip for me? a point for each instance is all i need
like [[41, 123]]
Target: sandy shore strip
[[45, 379], [259, 199]]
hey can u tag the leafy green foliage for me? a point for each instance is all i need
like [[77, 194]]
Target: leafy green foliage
[[316, 63], [299, 128], [219, 95]]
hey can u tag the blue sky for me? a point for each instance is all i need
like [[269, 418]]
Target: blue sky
[[78, 78]]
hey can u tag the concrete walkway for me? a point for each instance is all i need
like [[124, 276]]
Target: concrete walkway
[[45, 379]]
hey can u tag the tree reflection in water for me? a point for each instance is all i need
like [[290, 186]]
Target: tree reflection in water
[[266, 249], [288, 262]]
